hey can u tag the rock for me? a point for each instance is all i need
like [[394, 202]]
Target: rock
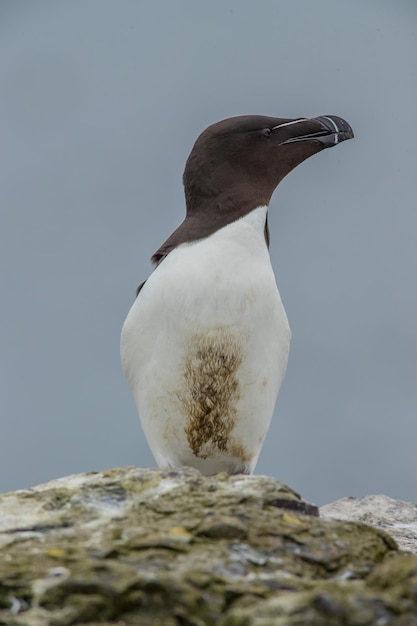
[[396, 517], [175, 548]]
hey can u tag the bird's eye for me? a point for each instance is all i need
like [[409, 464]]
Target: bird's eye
[[266, 132]]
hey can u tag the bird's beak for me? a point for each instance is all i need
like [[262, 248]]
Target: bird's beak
[[331, 130]]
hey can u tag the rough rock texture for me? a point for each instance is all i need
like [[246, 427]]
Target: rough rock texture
[[396, 517], [174, 548]]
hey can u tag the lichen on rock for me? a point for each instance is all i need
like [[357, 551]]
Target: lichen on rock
[[175, 548]]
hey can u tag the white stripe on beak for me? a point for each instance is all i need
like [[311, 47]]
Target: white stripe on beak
[[302, 119], [336, 137]]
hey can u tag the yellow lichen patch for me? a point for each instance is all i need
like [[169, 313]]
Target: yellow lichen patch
[[56, 553], [291, 519], [179, 531], [222, 476]]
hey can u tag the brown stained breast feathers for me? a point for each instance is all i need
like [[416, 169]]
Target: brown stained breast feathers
[[211, 391]]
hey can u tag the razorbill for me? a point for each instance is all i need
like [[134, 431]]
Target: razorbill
[[205, 345]]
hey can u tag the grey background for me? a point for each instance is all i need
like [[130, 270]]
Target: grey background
[[100, 103]]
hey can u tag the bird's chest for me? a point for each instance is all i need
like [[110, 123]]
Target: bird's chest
[[208, 314]]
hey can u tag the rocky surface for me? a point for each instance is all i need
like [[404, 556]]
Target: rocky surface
[[174, 548], [396, 517]]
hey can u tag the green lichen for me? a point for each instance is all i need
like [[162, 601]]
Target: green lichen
[[178, 549]]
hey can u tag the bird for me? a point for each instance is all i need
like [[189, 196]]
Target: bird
[[204, 347]]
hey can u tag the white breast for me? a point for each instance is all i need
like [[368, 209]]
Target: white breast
[[205, 347]]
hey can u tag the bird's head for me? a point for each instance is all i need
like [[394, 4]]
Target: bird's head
[[243, 159]]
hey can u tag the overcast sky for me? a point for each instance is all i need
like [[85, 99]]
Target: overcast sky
[[100, 103]]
